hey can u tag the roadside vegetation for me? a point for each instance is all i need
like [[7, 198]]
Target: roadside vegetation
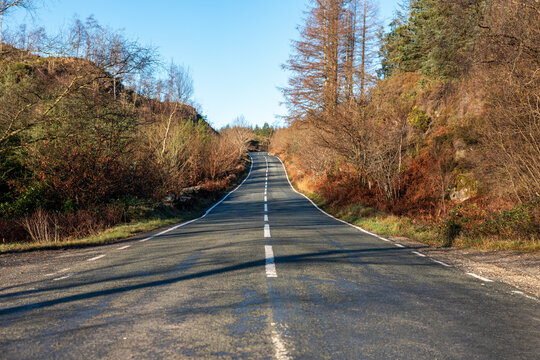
[[430, 130], [97, 133]]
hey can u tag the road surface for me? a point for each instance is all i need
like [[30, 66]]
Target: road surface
[[264, 275]]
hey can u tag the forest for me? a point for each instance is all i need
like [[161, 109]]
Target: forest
[[96, 130], [429, 128]]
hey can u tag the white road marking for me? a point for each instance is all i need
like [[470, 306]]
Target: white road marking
[[399, 245], [62, 278], [265, 199], [279, 347], [58, 272], [207, 211], [266, 231], [265, 217], [270, 263], [96, 258], [440, 263], [265, 192], [124, 247], [419, 254], [265, 207], [523, 294], [479, 277], [324, 212]]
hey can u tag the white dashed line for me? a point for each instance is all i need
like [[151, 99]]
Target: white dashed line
[[124, 247], [479, 277], [419, 254], [96, 258], [265, 207], [62, 278], [399, 245], [265, 217], [523, 294], [270, 264], [58, 272], [440, 263], [266, 231], [279, 347], [265, 199]]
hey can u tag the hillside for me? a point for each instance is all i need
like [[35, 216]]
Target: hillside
[[444, 146], [80, 151]]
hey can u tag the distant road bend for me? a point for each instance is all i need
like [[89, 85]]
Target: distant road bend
[[264, 275]]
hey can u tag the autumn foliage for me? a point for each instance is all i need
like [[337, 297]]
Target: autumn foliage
[[448, 134]]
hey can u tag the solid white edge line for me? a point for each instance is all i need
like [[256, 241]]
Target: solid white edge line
[[479, 277], [324, 212], [96, 258], [335, 218], [419, 254], [207, 211]]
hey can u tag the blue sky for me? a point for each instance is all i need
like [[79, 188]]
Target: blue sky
[[234, 48]]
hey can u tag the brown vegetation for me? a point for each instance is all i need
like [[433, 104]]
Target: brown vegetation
[[448, 136], [86, 140]]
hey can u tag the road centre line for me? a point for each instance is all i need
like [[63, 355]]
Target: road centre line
[[265, 199], [96, 258], [270, 263], [265, 207], [399, 245], [479, 277], [419, 254], [124, 247], [265, 217], [279, 347], [266, 231]]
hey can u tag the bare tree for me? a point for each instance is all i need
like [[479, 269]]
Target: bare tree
[[179, 91], [313, 90], [8, 5], [239, 134]]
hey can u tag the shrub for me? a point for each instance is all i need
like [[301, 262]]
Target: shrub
[[418, 119]]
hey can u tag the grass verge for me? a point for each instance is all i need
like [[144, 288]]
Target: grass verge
[[156, 219], [399, 226]]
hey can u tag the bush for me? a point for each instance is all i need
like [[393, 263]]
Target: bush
[[418, 119], [451, 227]]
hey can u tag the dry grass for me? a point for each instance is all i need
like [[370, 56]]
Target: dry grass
[[401, 226], [105, 237]]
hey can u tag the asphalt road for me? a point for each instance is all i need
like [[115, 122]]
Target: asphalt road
[[256, 279]]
